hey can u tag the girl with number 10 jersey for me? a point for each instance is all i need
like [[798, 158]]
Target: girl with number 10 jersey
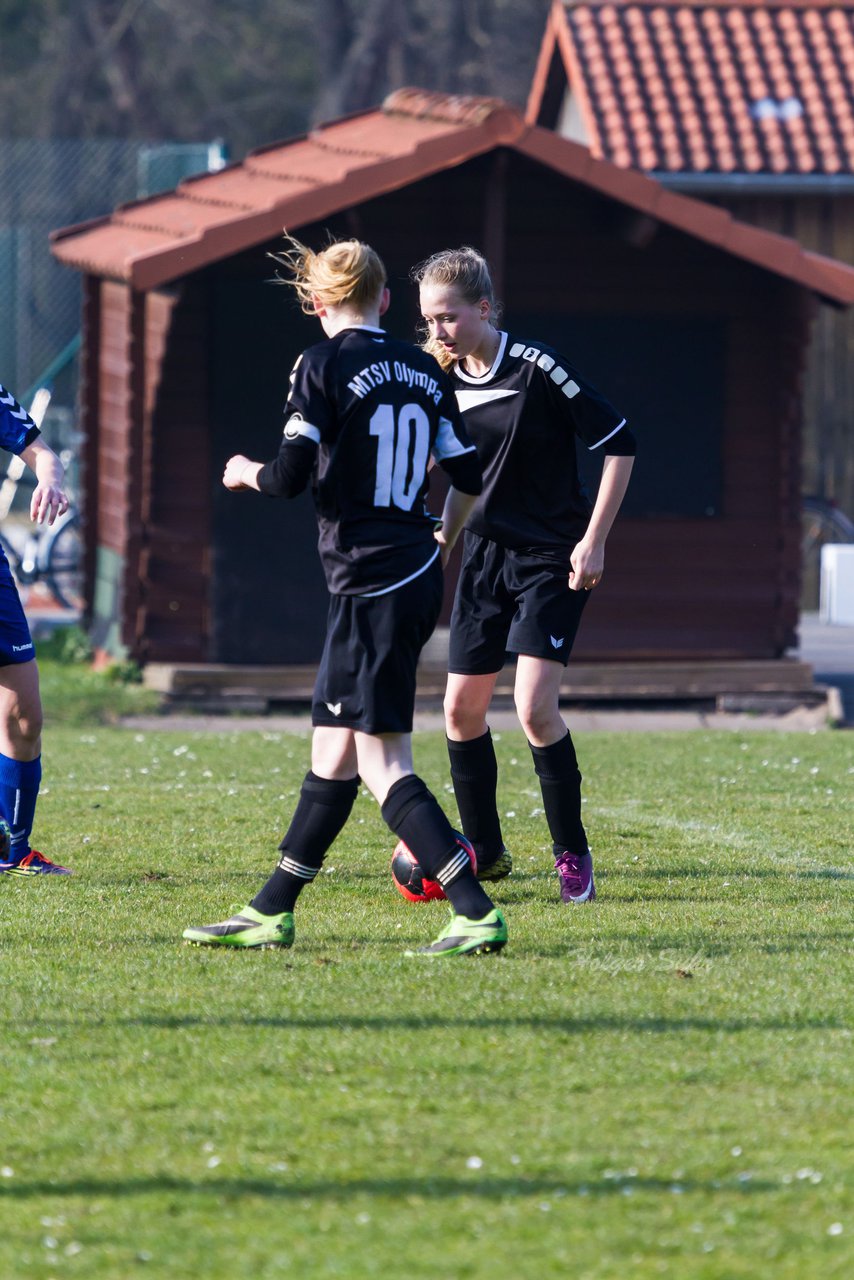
[[364, 414]]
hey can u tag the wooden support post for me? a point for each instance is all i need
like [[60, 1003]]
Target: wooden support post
[[495, 221]]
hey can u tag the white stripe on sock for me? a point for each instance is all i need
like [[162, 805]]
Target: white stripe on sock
[[453, 867], [298, 869]]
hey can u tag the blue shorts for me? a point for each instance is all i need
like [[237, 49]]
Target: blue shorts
[[16, 643]]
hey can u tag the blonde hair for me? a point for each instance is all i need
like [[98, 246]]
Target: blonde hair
[[465, 270], [346, 272]]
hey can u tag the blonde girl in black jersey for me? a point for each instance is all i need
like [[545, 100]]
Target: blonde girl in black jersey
[[364, 415], [533, 550]]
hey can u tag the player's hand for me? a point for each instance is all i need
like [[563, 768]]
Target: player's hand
[[48, 502], [444, 549], [232, 477], [588, 562]]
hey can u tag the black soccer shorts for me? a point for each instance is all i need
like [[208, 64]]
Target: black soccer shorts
[[511, 602], [366, 679]]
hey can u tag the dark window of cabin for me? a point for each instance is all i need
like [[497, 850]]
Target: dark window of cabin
[[666, 375]]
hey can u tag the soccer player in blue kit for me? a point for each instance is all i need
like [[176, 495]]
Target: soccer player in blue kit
[[534, 548], [20, 702], [364, 415]]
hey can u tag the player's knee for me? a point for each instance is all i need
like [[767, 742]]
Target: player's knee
[[451, 708], [463, 715], [537, 716], [22, 736], [25, 728]]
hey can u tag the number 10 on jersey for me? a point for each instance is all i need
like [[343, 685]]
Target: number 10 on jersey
[[402, 450]]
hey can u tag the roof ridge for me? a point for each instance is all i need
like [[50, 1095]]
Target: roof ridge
[[449, 108]]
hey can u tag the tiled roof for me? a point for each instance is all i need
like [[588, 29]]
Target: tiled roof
[[289, 183], [714, 86], [413, 135]]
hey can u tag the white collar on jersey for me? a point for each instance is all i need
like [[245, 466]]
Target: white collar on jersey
[[368, 328], [490, 373]]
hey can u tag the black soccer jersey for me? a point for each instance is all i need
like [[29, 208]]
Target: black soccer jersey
[[524, 415], [364, 414]]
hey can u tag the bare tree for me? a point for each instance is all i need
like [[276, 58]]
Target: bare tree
[[350, 83], [249, 70], [457, 46]]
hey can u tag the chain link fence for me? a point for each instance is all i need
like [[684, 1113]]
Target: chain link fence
[[46, 184]]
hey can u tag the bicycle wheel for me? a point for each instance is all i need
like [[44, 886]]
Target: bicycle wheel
[[62, 558], [822, 523], [20, 554]]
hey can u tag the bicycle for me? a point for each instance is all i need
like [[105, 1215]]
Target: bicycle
[[53, 557], [52, 554]]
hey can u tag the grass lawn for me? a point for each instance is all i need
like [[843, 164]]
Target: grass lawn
[[656, 1085], [74, 694]]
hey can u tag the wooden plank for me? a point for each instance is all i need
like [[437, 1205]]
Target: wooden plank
[[583, 682]]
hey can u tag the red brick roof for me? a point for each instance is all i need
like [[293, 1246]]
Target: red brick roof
[[713, 86], [414, 134]]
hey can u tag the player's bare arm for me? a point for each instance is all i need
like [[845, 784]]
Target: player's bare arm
[[455, 512], [588, 556], [49, 498]]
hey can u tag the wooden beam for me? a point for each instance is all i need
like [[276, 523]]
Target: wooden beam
[[89, 399], [763, 684]]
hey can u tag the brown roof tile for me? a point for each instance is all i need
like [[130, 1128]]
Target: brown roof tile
[[726, 86], [240, 187], [415, 134], [175, 215]]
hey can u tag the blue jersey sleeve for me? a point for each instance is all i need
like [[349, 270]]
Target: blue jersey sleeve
[[17, 428]]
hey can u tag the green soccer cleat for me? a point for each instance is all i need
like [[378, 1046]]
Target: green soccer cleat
[[498, 869], [464, 937], [248, 928]]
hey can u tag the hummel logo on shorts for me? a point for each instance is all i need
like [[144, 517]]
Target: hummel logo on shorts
[[334, 707]]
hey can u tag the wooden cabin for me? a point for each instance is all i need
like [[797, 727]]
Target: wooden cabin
[[694, 325]]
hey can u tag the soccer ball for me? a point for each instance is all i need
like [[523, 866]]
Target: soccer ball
[[410, 880]]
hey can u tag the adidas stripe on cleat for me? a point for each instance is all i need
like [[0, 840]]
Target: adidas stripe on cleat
[[248, 928], [464, 937], [498, 869], [34, 864]]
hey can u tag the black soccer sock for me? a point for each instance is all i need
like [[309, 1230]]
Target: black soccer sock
[[324, 806], [474, 773], [560, 783], [412, 812]]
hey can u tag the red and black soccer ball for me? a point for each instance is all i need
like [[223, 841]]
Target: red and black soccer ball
[[410, 880]]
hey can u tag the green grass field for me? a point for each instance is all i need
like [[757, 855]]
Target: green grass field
[[656, 1085]]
